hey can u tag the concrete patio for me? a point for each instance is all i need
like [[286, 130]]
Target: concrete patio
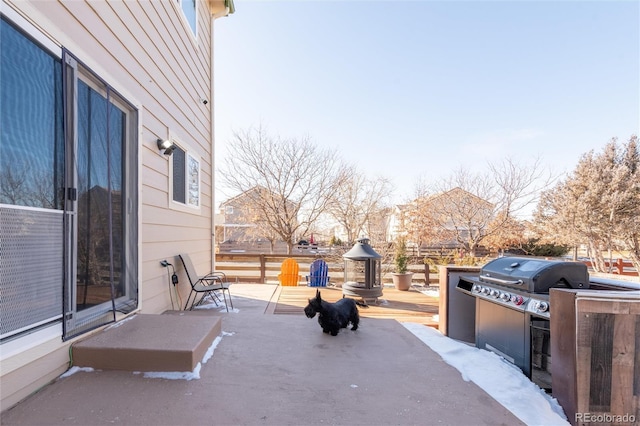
[[271, 369]]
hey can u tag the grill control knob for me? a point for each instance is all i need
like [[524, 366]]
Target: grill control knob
[[542, 306], [494, 293], [517, 300], [505, 297], [476, 288], [485, 290]]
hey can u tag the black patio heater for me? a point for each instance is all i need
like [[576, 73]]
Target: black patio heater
[[362, 272]]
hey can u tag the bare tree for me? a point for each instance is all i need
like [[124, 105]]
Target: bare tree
[[510, 234], [14, 186], [260, 228], [598, 204], [469, 207], [27, 186], [377, 227], [289, 181], [355, 202], [627, 221]]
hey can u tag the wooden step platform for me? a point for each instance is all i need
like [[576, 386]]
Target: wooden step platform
[[174, 341]]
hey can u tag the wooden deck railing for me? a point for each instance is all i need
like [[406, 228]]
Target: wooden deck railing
[[619, 267], [263, 268]]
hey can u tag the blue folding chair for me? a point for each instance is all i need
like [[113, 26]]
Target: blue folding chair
[[318, 274]]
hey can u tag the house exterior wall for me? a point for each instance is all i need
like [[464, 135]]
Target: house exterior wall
[[448, 220], [236, 224], [148, 53]]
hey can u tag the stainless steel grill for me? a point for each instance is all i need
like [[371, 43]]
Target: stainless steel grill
[[523, 284], [534, 275], [513, 312]]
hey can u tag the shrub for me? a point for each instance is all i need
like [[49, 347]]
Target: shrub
[[335, 241], [401, 259], [534, 248], [472, 261]]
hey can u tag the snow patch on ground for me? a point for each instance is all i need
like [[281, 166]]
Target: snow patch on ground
[[502, 380]]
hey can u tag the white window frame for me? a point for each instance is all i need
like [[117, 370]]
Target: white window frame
[[190, 156], [28, 28]]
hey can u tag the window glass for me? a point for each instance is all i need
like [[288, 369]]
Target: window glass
[[101, 139], [186, 177], [194, 181], [31, 178], [189, 9], [179, 181], [31, 163]]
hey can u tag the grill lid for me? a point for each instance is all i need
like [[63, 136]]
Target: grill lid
[[535, 275]]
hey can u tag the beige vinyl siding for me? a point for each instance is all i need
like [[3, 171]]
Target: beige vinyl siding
[[22, 381], [146, 51]]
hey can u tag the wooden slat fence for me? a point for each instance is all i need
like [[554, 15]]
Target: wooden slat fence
[[264, 268], [619, 267]]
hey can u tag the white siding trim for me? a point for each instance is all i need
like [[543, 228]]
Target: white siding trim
[[31, 30], [24, 343]]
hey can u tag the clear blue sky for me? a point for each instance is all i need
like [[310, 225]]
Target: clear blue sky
[[421, 88]]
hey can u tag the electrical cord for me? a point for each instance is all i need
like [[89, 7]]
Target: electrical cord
[[172, 279], [170, 292]]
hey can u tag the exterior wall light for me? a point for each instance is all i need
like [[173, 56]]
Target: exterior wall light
[[165, 145]]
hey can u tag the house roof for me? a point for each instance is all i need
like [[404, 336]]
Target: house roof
[[240, 196], [246, 195], [453, 191], [218, 6]]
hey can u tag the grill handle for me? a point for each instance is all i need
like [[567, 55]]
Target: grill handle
[[500, 281]]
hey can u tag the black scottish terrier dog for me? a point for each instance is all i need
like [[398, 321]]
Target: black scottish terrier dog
[[333, 316]]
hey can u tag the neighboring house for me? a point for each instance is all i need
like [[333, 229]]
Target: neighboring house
[[398, 221], [242, 222], [89, 204], [442, 220], [235, 219], [376, 228]]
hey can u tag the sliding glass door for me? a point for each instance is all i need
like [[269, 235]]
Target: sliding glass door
[[68, 191], [100, 216]]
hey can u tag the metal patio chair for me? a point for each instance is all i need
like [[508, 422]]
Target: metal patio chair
[[208, 285]]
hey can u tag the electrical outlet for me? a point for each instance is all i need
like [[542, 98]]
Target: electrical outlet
[[164, 263]]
